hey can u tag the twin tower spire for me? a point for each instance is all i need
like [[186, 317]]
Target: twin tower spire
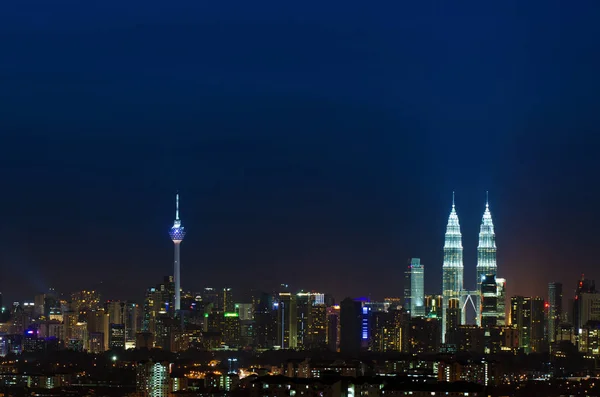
[[453, 290]]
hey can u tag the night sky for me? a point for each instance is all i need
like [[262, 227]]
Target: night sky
[[316, 144]]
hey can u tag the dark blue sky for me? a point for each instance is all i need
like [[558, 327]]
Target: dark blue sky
[[314, 144]]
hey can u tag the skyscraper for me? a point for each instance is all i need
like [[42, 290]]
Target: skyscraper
[[538, 311], [287, 321], [415, 273], [520, 314], [501, 293], [452, 269], [177, 234], [486, 252], [351, 319], [584, 286], [489, 301], [554, 309]]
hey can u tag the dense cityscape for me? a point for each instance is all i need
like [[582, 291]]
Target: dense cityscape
[[218, 342]]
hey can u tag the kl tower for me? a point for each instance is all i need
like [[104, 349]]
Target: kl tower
[[177, 234]]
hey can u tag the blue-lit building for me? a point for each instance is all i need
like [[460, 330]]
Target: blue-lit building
[[415, 280]]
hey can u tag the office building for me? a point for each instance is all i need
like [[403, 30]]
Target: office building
[[589, 339], [287, 322], [351, 324], [417, 288], [317, 327], [538, 336], [211, 299], [425, 335], [584, 286], [589, 309], [303, 305], [226, 303], [245, 311], [488, 306], [231, 329], [555, 296], [501, 301], [520, 313], [452, 320], [116, 338], [527, 316], [265, 317], [452, 269], [333, 328]]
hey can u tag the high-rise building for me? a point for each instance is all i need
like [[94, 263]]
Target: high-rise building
[[351, 324], [177, 234], [116, 312], [226, 303], [486, 253], [81, 301], [589, 309], [287, 322], [132, 321], [231, 329], [501, 294], [333, 328], [452, 269], [538, 312], [584, 286], [317, 326], [266, 322], [158, 301], [452, 321], [489, 301], [210, 299], [417, 288], [152, 379], [407, 288], [424, 335], [303, 306], [116, 339], [245, 311], [527, 316], [554, 309]]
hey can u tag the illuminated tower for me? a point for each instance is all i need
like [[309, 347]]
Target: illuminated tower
[[452, 269], [486, 252], [177, 234]]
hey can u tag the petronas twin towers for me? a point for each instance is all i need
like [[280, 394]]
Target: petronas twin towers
[[455, 297]]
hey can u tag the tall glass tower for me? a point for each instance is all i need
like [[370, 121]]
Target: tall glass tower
[[417, 288], [486, 252], [555, 297], [452, 269], [177, 234]]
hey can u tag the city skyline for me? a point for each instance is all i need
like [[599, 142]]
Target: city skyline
[[486, 240], [329, 148]]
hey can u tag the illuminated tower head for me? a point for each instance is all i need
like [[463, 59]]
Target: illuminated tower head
[[177, 232]]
